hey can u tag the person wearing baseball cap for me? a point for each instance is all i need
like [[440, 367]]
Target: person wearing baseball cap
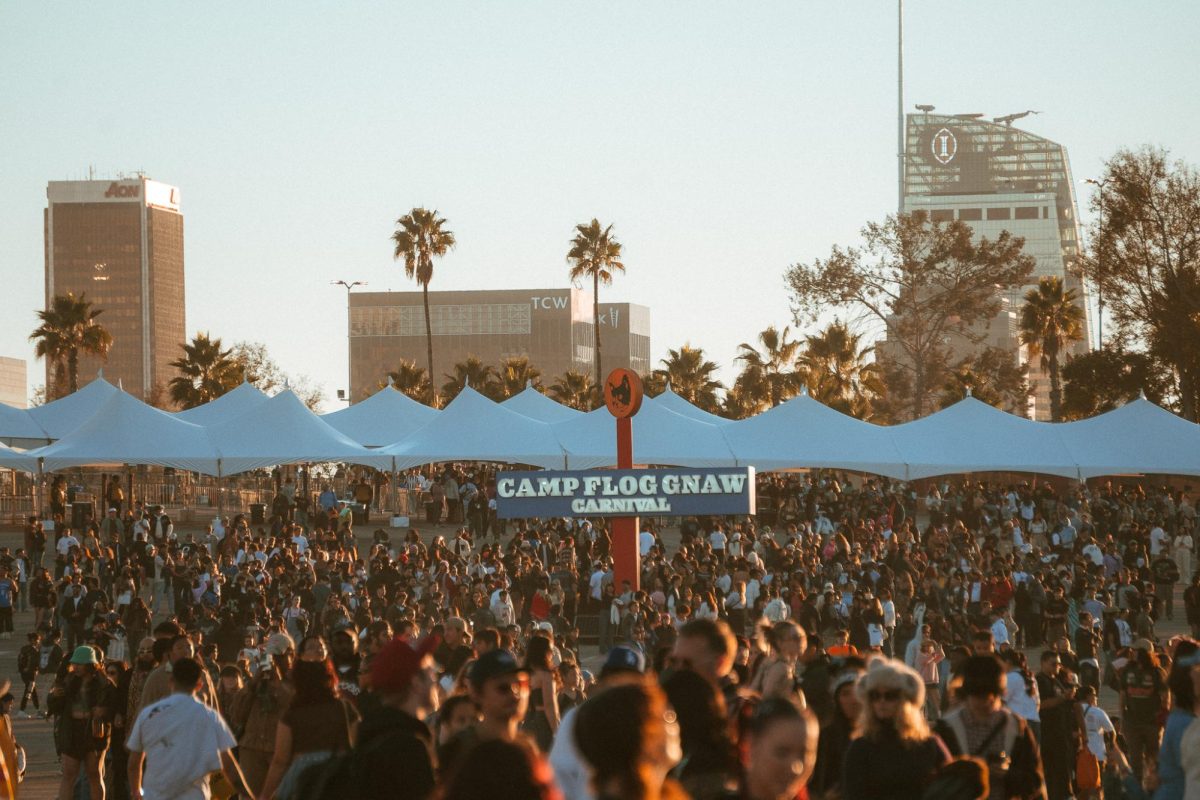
[[571, 771], [393, 738], [499, 685]]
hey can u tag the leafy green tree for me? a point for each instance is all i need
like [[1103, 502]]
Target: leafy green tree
[[574, 389], [412, 381], [595, 253], [474, 373], [1102, 380], [1145, 258], [261, 370], [1051, 319], [992, 376], [692, 377], [839, 373], [923, 280], [770, 373], [420, 237], [206, 371], [69, 327], [515, 374]]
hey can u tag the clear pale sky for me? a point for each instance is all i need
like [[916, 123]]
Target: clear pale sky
[[724, 140]]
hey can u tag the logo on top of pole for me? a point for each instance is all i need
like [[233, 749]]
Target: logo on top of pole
[[623, 397], [623, 393]]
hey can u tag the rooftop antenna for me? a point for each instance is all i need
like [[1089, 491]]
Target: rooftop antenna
[[1009, 119], [900, 106], [924, 107]]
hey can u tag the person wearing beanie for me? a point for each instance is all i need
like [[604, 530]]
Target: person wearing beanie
[[983, 728], [895, 755]]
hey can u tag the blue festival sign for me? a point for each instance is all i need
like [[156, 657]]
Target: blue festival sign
[[678, 492]]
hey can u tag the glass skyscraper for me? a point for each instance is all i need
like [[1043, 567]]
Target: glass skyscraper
[[995, 177]]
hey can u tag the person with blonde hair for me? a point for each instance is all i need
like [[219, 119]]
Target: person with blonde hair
[[776, 675], [894, 755]]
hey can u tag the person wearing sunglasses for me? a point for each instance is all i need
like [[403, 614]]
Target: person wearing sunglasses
[[894, 755]]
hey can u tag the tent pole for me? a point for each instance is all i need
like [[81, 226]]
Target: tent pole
[[220, 493], [37, 489]]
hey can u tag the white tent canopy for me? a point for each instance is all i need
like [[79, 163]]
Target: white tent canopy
[[383, 418], [283, 431], [804, 433], [1138, 437], [660, 436], [971, 436], [17, 427], [473, 428], [673, 402], [13, 459], [64, 415], [124, 430], [229, 405], [535, 405]]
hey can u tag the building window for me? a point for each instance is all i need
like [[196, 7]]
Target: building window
[[450, 320], [941, 215], [999, 213], [970, 214], [1026, 212]]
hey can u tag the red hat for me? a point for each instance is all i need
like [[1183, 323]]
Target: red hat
[[394, 667]]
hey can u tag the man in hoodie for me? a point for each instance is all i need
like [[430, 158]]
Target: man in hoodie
[[393, 739]]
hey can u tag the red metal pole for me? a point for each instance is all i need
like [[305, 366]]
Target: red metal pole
[[626, 557]]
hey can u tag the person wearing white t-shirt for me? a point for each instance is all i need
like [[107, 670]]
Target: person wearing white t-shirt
[[718, 540], [1095, 721], [645, 542], [179, 741]]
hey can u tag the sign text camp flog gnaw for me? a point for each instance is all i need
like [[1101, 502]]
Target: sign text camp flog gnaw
[[625, 492]]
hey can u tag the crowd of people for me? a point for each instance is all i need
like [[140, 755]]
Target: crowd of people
[[857, 638]]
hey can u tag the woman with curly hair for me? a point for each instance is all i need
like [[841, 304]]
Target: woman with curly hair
[[895, 755], [629, 737]]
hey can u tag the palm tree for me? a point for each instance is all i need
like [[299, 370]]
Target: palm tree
[[839, 373], [515, 373], [743, 399], [206, 372], [691, 377], [595, 253], [420, 236], [474, 373], [68, 328], [654, 383], [770, 373], [573, 389], [1051, 319], [411, 380]]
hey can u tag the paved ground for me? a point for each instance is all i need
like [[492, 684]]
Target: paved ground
[[43, 773]]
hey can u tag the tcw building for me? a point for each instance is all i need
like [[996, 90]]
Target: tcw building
[[552, 327]]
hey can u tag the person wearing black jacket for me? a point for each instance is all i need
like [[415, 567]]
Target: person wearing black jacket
[[982, 728], [393, 739]]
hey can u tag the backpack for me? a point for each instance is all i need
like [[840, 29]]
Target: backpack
[[28, 660]]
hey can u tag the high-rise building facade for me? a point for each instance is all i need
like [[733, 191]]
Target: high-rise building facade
[[120, 242], [13, 382], [995, 178], [552, 327]]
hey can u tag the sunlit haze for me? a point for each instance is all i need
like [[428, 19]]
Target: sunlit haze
[[723, 141]]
